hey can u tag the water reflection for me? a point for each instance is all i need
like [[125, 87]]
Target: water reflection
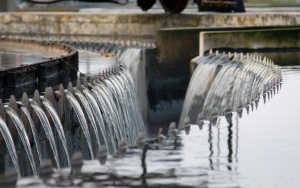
[[210, 147], [258, 150], [229, 142], [210, 158], [92, 63], [89, 63], [11, 57]]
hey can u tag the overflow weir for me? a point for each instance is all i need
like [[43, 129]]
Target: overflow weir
[[71, 118], [229, 82], [98, 113]]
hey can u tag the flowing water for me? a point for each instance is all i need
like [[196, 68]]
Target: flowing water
[[98, 116], [131, 114], [23, 135], [58, 126], [114, 113], [225, 81], [81, 119], [136, 107], [89, 112], [10, 145], [132, 59], [109, 114], [106, 118], [47, 128], [123, 112], [114, 89], [34, 132], [258, 150]]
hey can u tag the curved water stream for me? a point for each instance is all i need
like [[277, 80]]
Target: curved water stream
[[89, 113], [23, 135], [81, 119], [47, 128], [58, 126], [34, 132], [10, 145], [97, 114]]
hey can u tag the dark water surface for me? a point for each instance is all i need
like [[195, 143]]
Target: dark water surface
[[261, 149], [11, 56]]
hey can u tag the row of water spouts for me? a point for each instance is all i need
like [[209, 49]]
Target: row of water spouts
[[258, 59], [46, 169], [115, 48], [268, 90], [106, 99], [265, 61]]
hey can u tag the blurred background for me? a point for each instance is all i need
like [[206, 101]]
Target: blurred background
[[76, 6]]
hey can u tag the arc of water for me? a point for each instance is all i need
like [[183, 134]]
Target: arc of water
[[117, 116], [124, 112], [102, 106], [134, 98], [23, 135], [128, 80], [105, 100], [111, 114], [225, 78], [81, 119], [128, 114], [10, 145], [33, 130], [47, 128], [58, 125], [89, 113], [239, 80], [122, 87], [97, 113]]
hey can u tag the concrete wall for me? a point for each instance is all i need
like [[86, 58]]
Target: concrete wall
[[250, 39], [132, 24], [280, 39], [177, 45]]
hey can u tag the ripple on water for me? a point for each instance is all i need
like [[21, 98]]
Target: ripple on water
[[259, 150]]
